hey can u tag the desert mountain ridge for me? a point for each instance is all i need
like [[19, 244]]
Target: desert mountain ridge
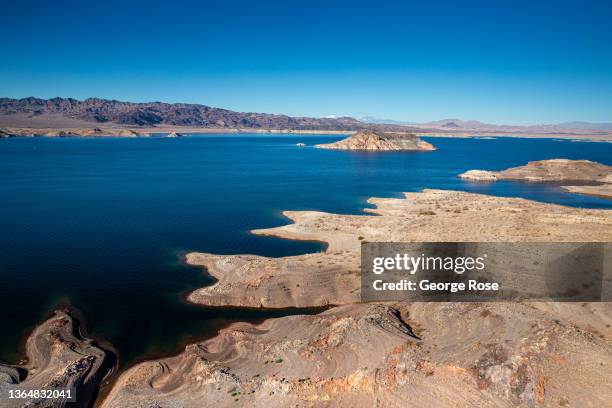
[[98, 116], [42, 112]]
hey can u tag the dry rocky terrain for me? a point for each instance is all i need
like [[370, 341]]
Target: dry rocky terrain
[[386, 355], [58, 358]]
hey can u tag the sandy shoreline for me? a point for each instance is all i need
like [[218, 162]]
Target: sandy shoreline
[[602, 191]]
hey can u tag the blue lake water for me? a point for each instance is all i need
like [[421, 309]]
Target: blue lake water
[[100, 224]]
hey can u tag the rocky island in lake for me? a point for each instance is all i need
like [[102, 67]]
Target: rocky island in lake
[[598, 175], [376, 140]]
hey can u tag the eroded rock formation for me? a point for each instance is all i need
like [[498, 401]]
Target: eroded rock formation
[[420, 354]]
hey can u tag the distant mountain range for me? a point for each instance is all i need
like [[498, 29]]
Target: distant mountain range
[[379, 121], [95, 112], [587, 125], [105, 112], [450, 124]]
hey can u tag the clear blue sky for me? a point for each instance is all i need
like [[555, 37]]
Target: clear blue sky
[[503, 62]]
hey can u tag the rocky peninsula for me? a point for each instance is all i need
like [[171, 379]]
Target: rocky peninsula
[[332, 276], [58, 358], [376, 140], [546, 171], [555, 170], [396, 353]]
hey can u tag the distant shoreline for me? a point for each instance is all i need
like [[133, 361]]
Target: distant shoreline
[[568, 136], [146, 131], [115, 131]]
